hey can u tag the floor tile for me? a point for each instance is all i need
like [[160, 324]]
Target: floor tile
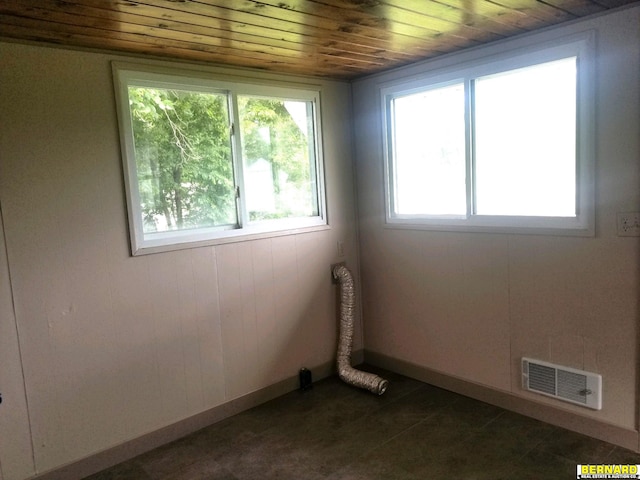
[[540, 464], [201, 469], [579, 448], [169, 459], [368, 470], [338, 432], [272, 457], [621, 455], [125, 471]]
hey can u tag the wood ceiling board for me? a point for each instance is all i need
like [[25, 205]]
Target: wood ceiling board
[[328, 38]]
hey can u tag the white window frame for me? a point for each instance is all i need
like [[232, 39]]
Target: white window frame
[[167, 78], [581, 46]]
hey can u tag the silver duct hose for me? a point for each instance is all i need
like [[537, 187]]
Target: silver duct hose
[[346, 372]]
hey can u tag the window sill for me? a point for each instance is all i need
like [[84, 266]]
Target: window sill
[[226, 237], [568, 227]]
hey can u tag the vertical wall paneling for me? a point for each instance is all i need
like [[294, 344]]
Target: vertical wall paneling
[[318, 305], [114, 346], [166, 332], [16, 452], [205, 286], [249, 314], [287, 303], [189, 333], [266, 319], [231, 319], [136, 360], [470, 305], [310, 311]]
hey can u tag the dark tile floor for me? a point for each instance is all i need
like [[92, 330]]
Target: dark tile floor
[[337, 432]]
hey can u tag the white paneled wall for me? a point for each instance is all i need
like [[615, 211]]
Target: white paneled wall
[[16, 453], [114, 346], [470, 305]]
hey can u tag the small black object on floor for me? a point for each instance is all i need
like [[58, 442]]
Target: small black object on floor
[[305, 379]]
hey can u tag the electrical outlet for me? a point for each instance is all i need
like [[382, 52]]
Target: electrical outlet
[[628, 224]]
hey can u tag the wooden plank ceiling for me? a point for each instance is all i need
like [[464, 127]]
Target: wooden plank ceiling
[[328, 38]]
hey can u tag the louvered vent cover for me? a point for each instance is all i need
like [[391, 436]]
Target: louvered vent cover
[[563, 383]]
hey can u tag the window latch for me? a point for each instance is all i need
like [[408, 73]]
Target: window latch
[[237, 191]]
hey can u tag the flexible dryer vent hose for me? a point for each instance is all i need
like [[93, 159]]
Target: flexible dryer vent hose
[[346, 372]]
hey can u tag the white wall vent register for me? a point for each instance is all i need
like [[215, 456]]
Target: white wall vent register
[[563, 383]]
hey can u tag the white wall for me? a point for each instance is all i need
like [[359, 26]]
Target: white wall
[[16, 454], [471, 305], [114, 346]]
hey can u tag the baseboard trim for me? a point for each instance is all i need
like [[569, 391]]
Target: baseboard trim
[[571, 421], [132, 448]]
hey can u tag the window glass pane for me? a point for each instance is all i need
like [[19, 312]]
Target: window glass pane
[[429, 171], [183, 159], [278, 152], [525, 141]]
